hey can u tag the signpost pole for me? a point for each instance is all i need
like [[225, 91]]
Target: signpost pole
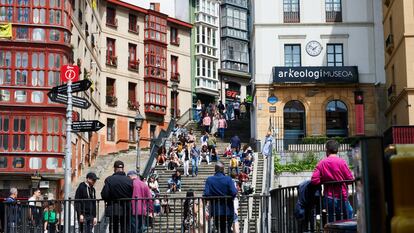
[[68, 158]]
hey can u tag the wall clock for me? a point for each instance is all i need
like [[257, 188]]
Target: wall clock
[[314, 48]]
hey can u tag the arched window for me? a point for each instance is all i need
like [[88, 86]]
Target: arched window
[[336, 119], [294, 120]]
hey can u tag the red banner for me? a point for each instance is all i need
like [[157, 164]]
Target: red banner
[[359, 119]]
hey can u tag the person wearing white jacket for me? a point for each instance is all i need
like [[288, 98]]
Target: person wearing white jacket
[[186, 161]]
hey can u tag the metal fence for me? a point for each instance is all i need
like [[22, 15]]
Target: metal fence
[[319, 205], [161, 214], [306, 145]]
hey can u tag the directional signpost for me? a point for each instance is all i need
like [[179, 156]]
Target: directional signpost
[[63, 94], [86, 126]]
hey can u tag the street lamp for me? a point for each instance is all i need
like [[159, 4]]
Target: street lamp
[[139, 119], [174, 87]]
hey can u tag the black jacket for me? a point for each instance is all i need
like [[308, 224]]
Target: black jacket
[[118, 186], [87, 207], [308, 196]]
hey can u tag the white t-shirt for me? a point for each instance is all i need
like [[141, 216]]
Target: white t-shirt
[[236, 105]]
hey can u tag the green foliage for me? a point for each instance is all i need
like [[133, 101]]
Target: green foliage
[[307, 163]]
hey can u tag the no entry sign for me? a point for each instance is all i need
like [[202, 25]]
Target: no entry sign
[[69, 73]]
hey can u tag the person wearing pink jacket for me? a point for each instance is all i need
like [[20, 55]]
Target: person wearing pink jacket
[[142, 204], [331, 171]]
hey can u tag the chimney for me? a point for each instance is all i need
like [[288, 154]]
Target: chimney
[[155, 6]]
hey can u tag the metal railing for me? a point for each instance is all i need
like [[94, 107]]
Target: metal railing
[[304, 145], [155, 145], [186, 117], [327, 203], [160, 214]]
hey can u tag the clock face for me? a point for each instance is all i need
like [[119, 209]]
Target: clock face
[[314, 48]]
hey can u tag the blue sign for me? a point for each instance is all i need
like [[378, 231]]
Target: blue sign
[[272, 99]]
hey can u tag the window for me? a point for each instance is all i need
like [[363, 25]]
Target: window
[[37, 97], [23, 11], [110, 17], [291, 11], [155, 61], [335, 54], [235, 50], [110, 130], [21, 65], [156, 94], [174, 36], [292, 55], [153, 128], [18, 134], [4, 95], [52, 137], [5, 69], [132, 23], [333, 10], [132, 92], [111, 58], [38, 34], [3, 162], [132, 56], [235, 18], [198, 34], [174, 65], [294, 120], [336, 119], [36, 131], [6, 10], [156, 28], [132, 131], [4, 132], [198, 67], [18, 162], [22, 33], [35, 163], [52, 163], [20, 96]]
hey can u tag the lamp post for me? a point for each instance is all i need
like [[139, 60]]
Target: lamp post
[[139, 119], [174, 87]]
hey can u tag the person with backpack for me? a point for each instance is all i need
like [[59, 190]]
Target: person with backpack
[[50, 219]]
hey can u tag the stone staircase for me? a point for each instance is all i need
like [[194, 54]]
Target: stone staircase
[[172, 221]]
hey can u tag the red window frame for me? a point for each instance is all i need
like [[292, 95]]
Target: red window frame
[[156, 61], [110, 130], [111, 16], [155, 96], [132, 23], [132, 95], [110, 87], [132, 53], [111, 49], [174, 39], [156, 28]]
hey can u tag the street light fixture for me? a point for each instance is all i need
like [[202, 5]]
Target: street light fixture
[[139, 120]]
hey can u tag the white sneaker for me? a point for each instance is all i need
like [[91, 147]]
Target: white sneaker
[[169, 190], [179, 190]]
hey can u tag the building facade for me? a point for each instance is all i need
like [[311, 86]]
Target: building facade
[[399, 59], [146, 66], [205, 49], [32, 128], [235, 60], [317, 68]]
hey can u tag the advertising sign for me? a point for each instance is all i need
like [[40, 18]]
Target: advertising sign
[[315, 74]]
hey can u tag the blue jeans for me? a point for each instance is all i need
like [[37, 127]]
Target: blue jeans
[[194, 166], [221, 133], [138, 223], [343, 209], [231, 170]]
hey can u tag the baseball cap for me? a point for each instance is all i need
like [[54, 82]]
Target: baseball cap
[[92, 176], [119, 164], [132, 173]]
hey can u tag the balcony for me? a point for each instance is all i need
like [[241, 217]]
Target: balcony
[[291, 17], [134, 29], [389, 43], [112, 22], [175, 77], [175, 41], [112, 61], [134, 65], [133, 105], [333, 16], [155, 109], [392, 93], [111, 101]]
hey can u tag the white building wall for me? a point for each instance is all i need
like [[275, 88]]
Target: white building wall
[[359, 33]]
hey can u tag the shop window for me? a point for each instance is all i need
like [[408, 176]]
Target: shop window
[[20, 96], [52, 163], [18, 162], [292, 55], [336, 119], [37, 97], [335, 54], [294, 120], [110, 130], [35, 163], [3, 162]]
